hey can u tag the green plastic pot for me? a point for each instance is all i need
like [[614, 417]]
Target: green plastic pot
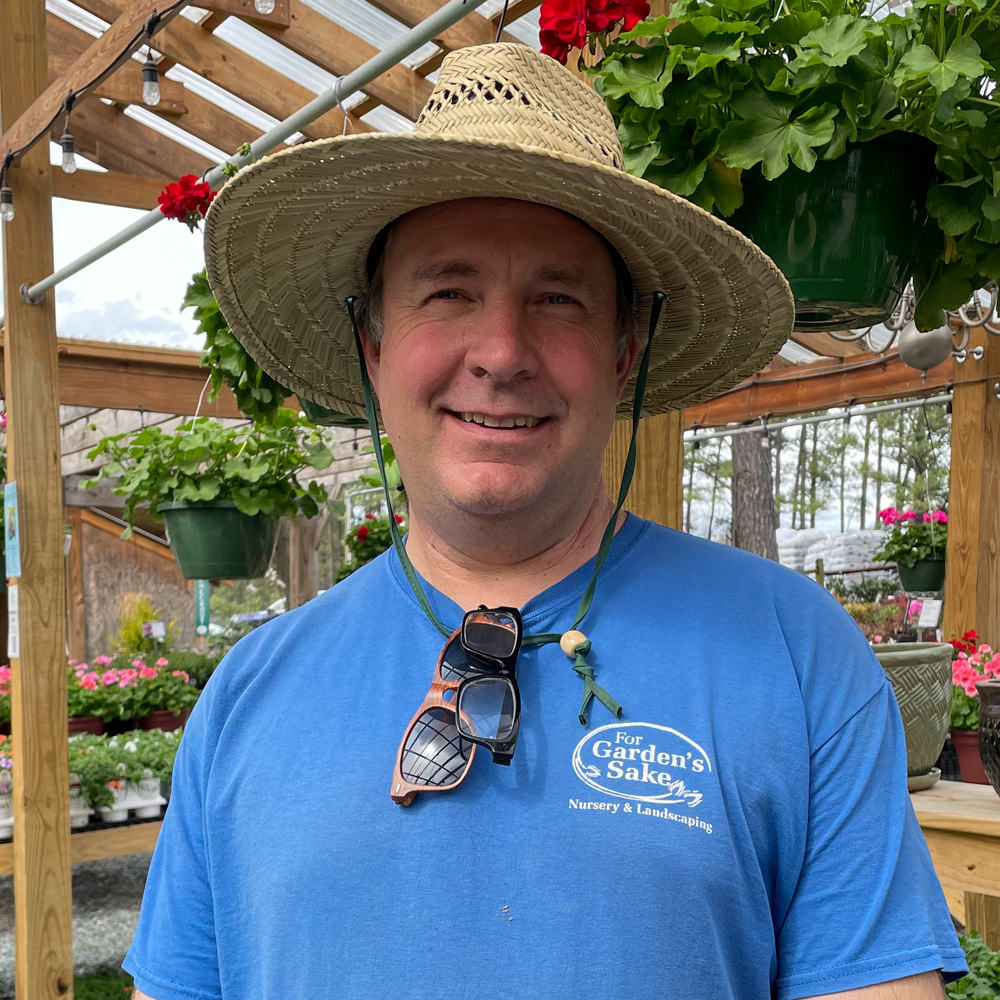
[[850, 233], [215, 541], [920, 673], [924, 575]]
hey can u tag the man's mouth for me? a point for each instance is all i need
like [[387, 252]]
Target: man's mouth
[[486, 420]]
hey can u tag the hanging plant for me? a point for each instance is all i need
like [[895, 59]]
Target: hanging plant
[[717, 91], [187, 200]]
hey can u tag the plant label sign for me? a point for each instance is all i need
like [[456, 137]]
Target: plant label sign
[[13, 623], [154, 630], [930, 614], [202, 596], [12, 530]]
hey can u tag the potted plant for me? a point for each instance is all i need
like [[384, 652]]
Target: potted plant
[[916, 543], [730, 104], [920, 673], [219, 489], [4, 699], [94, 776], [159, 697], [257, 394], [973, 663], [369, 539]]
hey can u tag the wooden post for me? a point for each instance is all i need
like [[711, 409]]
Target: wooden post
[[76, 611], [972, 583], [657, 488], [43, 925]]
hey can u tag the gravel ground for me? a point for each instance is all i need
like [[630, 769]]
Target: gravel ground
[[106, 897]]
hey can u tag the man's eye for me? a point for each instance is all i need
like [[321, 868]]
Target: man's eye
[[446, 293], [558, 298]]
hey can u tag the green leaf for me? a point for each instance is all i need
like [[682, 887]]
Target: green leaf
[[770, 134], [838, 39], [956, 205], [638, 159], [641, 78], [961, 59], [722, 184]]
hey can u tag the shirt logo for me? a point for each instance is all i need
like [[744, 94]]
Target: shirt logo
[[642, 762]]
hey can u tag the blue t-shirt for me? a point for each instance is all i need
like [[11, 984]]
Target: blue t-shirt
[[743, 831]]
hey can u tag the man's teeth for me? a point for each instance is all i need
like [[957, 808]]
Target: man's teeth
[[487, 421]]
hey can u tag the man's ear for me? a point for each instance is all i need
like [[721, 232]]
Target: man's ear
[[373, 356], [625, 362]]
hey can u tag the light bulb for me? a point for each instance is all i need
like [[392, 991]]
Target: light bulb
[[150, 84], [263, 6], [69, 153], [6, 204]]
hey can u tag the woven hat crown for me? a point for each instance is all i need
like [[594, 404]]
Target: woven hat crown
[[512, 94]]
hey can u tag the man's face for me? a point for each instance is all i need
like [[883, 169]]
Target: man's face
[[497, 373]]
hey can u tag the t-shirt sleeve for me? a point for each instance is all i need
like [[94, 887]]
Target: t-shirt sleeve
[[173, 954], [867, 906]]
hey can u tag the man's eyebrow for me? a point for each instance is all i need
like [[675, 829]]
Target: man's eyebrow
[[435, 270]]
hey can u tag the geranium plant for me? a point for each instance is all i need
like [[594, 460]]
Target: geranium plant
[[255, 466], [369, 539], [718, 88], [120, 688], [912, 536], [186, 199], [973, 662]]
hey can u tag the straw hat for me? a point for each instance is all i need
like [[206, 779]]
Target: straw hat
[[287, 238]]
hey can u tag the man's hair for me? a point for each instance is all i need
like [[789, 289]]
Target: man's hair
[[370, 309]]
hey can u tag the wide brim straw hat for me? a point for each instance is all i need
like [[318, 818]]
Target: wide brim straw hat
[[287, 239]]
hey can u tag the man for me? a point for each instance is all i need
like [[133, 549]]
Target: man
[[731, 820]]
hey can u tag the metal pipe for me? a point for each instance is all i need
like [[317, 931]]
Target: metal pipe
[[694, 435], [405, 45]]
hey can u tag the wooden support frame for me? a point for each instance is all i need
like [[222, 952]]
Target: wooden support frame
[[90, 66], [43, 925]]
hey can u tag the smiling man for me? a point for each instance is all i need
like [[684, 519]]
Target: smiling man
[[701, 790]]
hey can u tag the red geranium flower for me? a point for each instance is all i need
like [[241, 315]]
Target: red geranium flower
[[186, 199], [562, 26], [362, 533]]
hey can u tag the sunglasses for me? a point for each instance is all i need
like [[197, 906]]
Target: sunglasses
[[473, 701]]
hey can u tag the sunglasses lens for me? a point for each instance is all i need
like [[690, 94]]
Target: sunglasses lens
[[455, 663], [492, 633], [487, 708], [434, 753]]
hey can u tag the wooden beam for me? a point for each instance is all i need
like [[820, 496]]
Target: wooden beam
[[657, 486], [128, 146], [226, 66], [339, 51], [823, 343], [473, 29], [94, 845], [201, 118], [124, 190], [95, 63], [245, 10], [125, 86], [518, 8], [43, 912], [972, 580], [819, 386]]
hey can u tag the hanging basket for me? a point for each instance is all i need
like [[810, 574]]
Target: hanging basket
[[215, 541], [924, 576], [847, 235]]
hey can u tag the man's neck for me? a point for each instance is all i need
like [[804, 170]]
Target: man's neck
[[486, 573]]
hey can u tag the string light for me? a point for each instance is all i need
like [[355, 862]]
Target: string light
[[68, 152], [150, 81], [263, 6], [6, 204]]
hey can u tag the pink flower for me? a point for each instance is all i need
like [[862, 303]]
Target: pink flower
[[102, 661], [908, 515], [138, 664], [970, 689], [71, 661], [109, 678], [889, 516], [876, 638], [183, 674], [148, 673], [162, 662], [89, 681]]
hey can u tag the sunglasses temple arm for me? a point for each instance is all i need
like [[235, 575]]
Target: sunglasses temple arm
[[397, 541]]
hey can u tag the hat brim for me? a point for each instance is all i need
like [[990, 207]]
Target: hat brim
[[287, 240]]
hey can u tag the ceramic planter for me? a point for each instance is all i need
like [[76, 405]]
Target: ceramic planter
[[215, 541], [920, 673], [847, 235], [925, 575], [989, 730], [970, 764], [143, 797]]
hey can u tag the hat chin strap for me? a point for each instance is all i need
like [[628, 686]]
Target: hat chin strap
[[579, 645]]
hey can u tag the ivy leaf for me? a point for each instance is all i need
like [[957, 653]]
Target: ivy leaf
[[770, 134]]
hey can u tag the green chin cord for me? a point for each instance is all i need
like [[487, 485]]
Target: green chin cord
[[573, 643]]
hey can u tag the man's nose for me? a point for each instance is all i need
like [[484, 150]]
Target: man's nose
[[502, 346]]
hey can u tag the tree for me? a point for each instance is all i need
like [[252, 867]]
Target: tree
[[753, 495]]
